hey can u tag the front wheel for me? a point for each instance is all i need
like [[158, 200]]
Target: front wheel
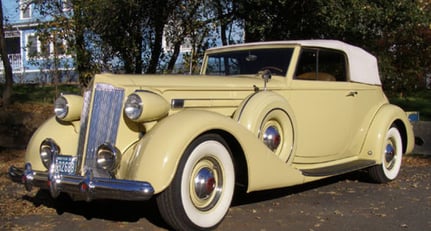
[[391, 158], [202, 189]]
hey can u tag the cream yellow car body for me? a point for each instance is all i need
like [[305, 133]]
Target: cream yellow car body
[[326, 127]]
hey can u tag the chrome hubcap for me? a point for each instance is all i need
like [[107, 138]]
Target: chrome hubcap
[[389, 156], [272, 138], [204, 183], [206, 186]]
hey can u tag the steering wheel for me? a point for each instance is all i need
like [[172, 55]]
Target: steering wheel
[[273, 69]]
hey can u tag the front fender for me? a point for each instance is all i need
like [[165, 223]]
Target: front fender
[[157, 154], [61, 132], [386, 116]]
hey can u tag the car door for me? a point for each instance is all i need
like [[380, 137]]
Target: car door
[[323, 101]]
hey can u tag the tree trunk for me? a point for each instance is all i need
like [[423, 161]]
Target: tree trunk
[[7, 92], [174, 57], [138, 56], [83, 56], [156, 49]]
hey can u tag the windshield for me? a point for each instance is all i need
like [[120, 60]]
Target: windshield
[[246, 62]]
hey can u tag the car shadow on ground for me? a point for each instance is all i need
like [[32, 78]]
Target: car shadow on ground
[[113, 210], [241, 197], [132, 211]]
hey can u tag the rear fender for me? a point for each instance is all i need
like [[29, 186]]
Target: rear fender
[[157, 154], [387, 116]]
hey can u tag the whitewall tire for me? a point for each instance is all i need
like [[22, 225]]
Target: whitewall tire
[[201, 192], [391, 158]]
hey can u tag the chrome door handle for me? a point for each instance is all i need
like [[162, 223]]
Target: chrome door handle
[[352, 93]]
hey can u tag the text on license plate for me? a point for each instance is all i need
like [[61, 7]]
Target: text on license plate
[[65, 165]]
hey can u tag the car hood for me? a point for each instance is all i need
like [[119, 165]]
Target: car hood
[[166, 83]]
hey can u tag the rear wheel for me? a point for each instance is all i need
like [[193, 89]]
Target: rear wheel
[[202, 189], [391, 158]]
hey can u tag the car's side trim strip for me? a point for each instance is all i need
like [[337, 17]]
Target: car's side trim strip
[[338, 169]]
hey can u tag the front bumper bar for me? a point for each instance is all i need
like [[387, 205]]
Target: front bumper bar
[[82, 187]]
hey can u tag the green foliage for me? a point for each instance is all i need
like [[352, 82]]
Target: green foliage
[[35, 93], [396, 31], [418, 101]]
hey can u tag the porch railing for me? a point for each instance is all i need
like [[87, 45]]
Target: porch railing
[[15, 62]]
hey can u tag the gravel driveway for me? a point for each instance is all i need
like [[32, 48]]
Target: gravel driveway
[[348, 202]]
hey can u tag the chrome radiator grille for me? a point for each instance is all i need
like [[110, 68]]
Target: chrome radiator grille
[[102, 127]]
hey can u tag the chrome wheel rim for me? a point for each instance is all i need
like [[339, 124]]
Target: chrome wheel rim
[[390, 157], [206, 184]]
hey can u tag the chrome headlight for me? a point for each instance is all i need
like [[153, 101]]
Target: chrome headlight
[[68, 107], [133, 107], [48, 148], [61, 108], [108, 157], [145, 106]]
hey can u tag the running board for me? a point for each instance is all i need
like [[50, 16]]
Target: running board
[[338, 169]]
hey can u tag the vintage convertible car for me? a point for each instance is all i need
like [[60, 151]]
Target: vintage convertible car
[[260, 116]]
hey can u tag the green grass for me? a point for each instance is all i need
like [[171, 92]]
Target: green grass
[[34, 93], [419, 101]]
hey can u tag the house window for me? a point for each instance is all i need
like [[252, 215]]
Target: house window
[[37, 48], [12, 45], [25, 9], [187, 45], [44, 48], [60, 47], [32, 45]]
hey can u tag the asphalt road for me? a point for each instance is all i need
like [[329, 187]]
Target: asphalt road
[[348, 202]]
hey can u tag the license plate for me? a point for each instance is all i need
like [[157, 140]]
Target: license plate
[[65, 165]]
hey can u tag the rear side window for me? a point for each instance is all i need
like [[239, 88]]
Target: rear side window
[[321, 65]]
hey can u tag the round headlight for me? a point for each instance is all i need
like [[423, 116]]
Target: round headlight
[[133, 106], [48, 148], [108, 157], [61, 107]]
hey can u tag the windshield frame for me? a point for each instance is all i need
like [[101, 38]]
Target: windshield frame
[[250, 60]]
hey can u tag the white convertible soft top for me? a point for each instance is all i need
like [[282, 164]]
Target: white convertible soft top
[[362, 65]]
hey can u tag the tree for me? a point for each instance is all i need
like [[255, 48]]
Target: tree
[[63, 21], [396, 31], [120, 26], [161, 11], [78, 40], [178, 27], [7, 91], [192, 23], [393, 30]]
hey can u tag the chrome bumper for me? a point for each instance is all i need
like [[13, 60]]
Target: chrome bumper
[[82, 187]]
